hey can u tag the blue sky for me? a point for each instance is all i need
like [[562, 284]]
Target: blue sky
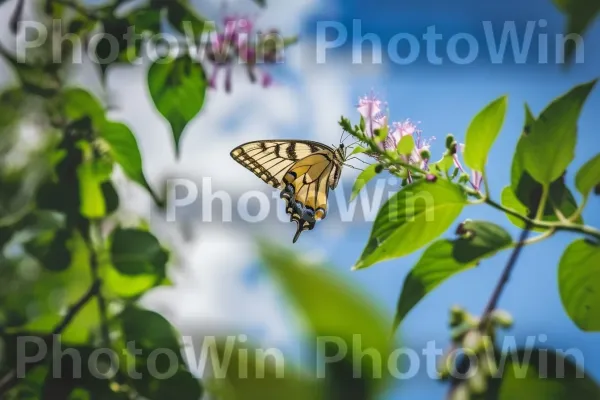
[[445, 98]]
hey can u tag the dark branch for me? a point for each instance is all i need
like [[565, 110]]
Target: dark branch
[[9, 380]]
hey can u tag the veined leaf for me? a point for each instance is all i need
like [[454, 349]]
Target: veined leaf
[[177, 88], [550, 146], [482, 133], [412, 218], [363, 178], [588, 176], [445, 258], [579, 284]]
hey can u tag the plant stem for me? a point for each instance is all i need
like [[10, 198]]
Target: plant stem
[[543, 200], [557, 226], [510, 264], [96, 237], [9, 380]]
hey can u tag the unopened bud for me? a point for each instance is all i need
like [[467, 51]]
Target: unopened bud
[[453, 148], [477, 382], [502, 318], [473, 341], [449, 141], [425, 154], [464, 178], [461, 392], [378, 168], [457, 316]]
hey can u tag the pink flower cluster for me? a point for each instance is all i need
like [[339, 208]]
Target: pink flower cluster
[[371, 109], [233, 44]]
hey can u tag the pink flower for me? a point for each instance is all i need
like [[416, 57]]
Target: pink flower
[[234, 42], [476, 176]]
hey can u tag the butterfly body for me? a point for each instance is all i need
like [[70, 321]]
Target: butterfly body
[[303, 170]]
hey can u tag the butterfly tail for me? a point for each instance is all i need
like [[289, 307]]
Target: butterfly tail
[[298, 232]]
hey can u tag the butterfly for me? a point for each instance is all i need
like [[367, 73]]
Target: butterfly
[[303, 170]]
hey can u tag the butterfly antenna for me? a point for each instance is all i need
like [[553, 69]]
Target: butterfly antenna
[[353, 167], [358, 159]]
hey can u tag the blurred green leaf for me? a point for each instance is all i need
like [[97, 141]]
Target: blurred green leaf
[[92, 204], [52, 249], [78, 103], [183, 18], [412, 218], [111, 198], [579, 284], [588, 176], [358, 150], [149, 331], [319, 295], [539, 374], [124, 149], [550, 146], [363, 178], [482, 133], [135, 252], [113, 42], [580, 15], [181, 384], [261, 3], [444, 258], [266, 378], [177, 88]]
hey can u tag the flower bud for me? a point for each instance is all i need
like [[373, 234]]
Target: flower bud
[[502, 318], [464, 178], [449, 141], [457, 316], [477, 382], [378, 168], [425, 154], [461, 392], [431, 178], [453, 148], [473, 341]]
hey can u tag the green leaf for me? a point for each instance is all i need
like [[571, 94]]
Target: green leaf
[[124, 150], [358, 150], [266, 378], [52, 249], [149, 331], [79, 103], [550, 146], [183, 18], [363, 178], [444, 258], [135, 252], [177, 88], [92, 204], [580, 16], [541, 374], [181, 384], [579, 284], [482, 133], [412, 218], [588, 176], [406, 145], [319, 295]]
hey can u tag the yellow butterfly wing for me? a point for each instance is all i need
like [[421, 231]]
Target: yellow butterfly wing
[[303, 170]]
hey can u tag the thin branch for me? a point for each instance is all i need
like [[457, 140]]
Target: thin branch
[[557, 226], [95, 235], [463, 365], [9, 380]]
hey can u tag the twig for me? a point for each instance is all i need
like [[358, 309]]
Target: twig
[[9, 380], [557, 226], [102, 310]]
